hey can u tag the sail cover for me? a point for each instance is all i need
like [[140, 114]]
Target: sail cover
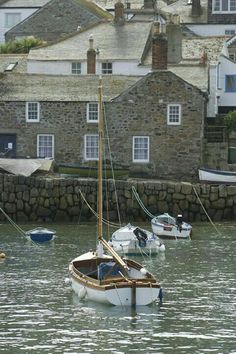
[[25, 167]]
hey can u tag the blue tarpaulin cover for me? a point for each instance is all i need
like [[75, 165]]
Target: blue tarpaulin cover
[[109, 268]]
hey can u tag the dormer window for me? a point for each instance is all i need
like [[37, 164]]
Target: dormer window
[[76, 68], [107, 68], [224, 6]]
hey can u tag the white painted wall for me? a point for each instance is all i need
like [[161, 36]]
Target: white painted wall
[[24, 14], [212, 106], [64, 68], [218, 97], [210, 30], [227, 67]]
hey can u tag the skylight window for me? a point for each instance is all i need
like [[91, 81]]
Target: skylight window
[[11, 66]]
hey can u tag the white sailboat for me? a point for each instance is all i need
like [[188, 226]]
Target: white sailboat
[[106, 277]]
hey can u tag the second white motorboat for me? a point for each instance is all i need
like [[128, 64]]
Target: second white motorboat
[[134, 240]]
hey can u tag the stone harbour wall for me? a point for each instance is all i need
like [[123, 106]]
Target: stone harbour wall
[[39, 199]]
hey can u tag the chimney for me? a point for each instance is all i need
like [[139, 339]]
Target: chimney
[[204, 58], [196, 8], [148, 4], [91, 57], [119, 13], [159, 47], [174, 36]]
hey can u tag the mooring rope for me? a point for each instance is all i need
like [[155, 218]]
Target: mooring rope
[[17, 227], [141, 203], [106, 222], [208, 216]]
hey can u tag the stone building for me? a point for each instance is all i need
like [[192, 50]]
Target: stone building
[[154, 123]]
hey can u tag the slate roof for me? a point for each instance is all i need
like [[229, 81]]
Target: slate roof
[[114, 42], [180, 7], [59, 18], [23, 3], [20, 59], [25, 87]]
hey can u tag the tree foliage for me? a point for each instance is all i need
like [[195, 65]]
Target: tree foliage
[[230, 121], [20, 46]]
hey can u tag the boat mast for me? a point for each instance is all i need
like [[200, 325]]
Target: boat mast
[[100, 152], [100, 160]]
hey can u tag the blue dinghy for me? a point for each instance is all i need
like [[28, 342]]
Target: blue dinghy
[[41, 234]]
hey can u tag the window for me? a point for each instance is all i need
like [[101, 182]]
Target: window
[[224, 6], [32, 112], [140, 149], [229, 32], [92, 112], [45, 146], [76, 68], [11, 19], [230, 83], [174, 114], [91, 147], [232, 56], [106, 68]]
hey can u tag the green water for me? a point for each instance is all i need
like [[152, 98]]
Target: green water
[[39, 313]]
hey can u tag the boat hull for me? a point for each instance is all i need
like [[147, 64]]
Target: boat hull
[[171, 231], [40, 235], [217, 176], [117, 296]]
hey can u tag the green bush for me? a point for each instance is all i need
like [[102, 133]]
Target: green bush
[[21, 46], [230, 121]]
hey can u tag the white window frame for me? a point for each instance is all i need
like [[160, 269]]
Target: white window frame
[[90, 157], [105, 69], [12, 15], [76, 68], [170, 118], [135, 148], [51, 146], [91, 112], [218, 6], [29, 111]]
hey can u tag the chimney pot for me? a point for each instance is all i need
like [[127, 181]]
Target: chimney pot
[[119, 13]]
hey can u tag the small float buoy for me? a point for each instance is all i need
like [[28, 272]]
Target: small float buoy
[[2, 254], [82, 293], [67, 281], [143, 271], [162, 247]]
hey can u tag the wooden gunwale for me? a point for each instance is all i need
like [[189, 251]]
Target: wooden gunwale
[[112, 282]]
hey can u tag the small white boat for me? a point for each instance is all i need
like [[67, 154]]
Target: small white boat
[[134, 240], [216, 176], [40, 234], [166, 226], [112, 281]]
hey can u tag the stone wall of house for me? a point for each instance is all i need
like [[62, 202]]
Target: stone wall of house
[[39, 199], [215, 155], [175, 150]]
